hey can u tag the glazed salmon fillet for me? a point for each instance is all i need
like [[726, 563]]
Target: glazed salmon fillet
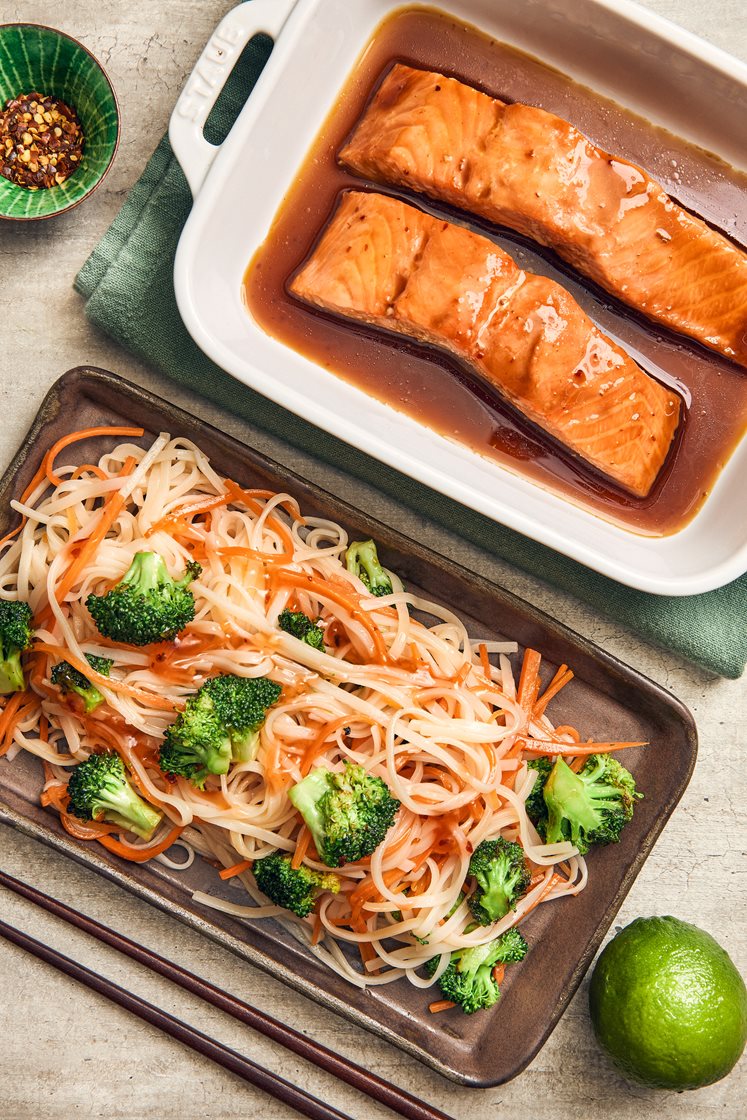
[[388, 264], [527, 169]]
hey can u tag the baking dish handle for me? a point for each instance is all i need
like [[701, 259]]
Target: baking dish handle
[[208, 78]]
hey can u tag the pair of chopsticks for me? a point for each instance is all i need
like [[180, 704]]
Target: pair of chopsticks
[[398, 1100]]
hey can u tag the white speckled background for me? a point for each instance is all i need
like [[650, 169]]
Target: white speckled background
[[66, 1052]]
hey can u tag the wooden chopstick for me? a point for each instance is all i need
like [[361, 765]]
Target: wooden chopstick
[[245, 1068], [392, 1096]]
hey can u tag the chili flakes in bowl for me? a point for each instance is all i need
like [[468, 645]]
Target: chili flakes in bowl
[[41, 141]]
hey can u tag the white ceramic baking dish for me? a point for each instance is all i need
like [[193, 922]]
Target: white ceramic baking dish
[[617, 48]]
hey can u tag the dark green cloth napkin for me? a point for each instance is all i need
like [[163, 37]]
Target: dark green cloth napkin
[[127, 283]]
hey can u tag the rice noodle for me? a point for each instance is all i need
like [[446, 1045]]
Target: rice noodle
[[433, 717]]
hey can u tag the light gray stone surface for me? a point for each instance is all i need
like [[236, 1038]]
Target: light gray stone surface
[[69, 1053]]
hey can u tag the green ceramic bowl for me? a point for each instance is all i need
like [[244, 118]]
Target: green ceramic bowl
[[39, 59]]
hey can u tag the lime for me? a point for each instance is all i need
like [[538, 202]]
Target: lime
[[668, 1005]]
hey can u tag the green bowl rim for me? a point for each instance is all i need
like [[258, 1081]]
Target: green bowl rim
[[105, 172]]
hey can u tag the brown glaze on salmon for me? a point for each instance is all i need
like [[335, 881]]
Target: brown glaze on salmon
[[385, 263], [533, 172]]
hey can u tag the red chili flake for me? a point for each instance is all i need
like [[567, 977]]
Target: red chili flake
[[41, 141]]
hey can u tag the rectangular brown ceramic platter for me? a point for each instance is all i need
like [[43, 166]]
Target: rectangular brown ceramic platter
[[606, 700]]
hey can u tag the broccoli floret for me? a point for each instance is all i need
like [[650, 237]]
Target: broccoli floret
[[241, 705], [147, 605], [99, 790], [69, 679], [468, 978], [591, 807], [535, 802], [220, 724], [362, 560], [302, 627], [196, 744], [295, 888], [502, 875], [15, 637], [348, 814]]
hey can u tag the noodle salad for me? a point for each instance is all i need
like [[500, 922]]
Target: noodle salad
[[388, 786]]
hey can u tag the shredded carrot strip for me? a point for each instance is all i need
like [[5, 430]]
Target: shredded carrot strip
[[560, 680], [566, 729], [38, 477], [367, 891], [44, 469], [276, 775], [577, 764], [75, 437], [141, 855], [240, 550], [551, 747], [112, 508], [316, 745], [247, 497], [440, 1005], [509, 780], [149, 699], [551, 882], [10, 709], [189, 510], [302, 846], [90, 468], [499, 971], [529, 682], [236, 869], [367, 951], [54, 795], [21, 705], [318, 929], [461, 674], [484, 659], [88, 831]]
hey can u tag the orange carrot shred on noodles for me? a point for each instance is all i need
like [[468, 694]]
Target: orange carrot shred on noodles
[[149, 699], [559, 681], [236, 869], [316, 746], [318, 928], [549, 885], [75, 437], [566, 730], [302, 846], [90, 830], [484, 660], [529, 680], [553, 748], [90, 468], [45, 468], [187, 511], [19, 708], [54, 795], [111, 509], [141, 855], [35, 481]]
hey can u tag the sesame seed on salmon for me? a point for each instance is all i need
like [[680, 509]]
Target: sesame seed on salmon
[[526, 169], [387, 264]]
